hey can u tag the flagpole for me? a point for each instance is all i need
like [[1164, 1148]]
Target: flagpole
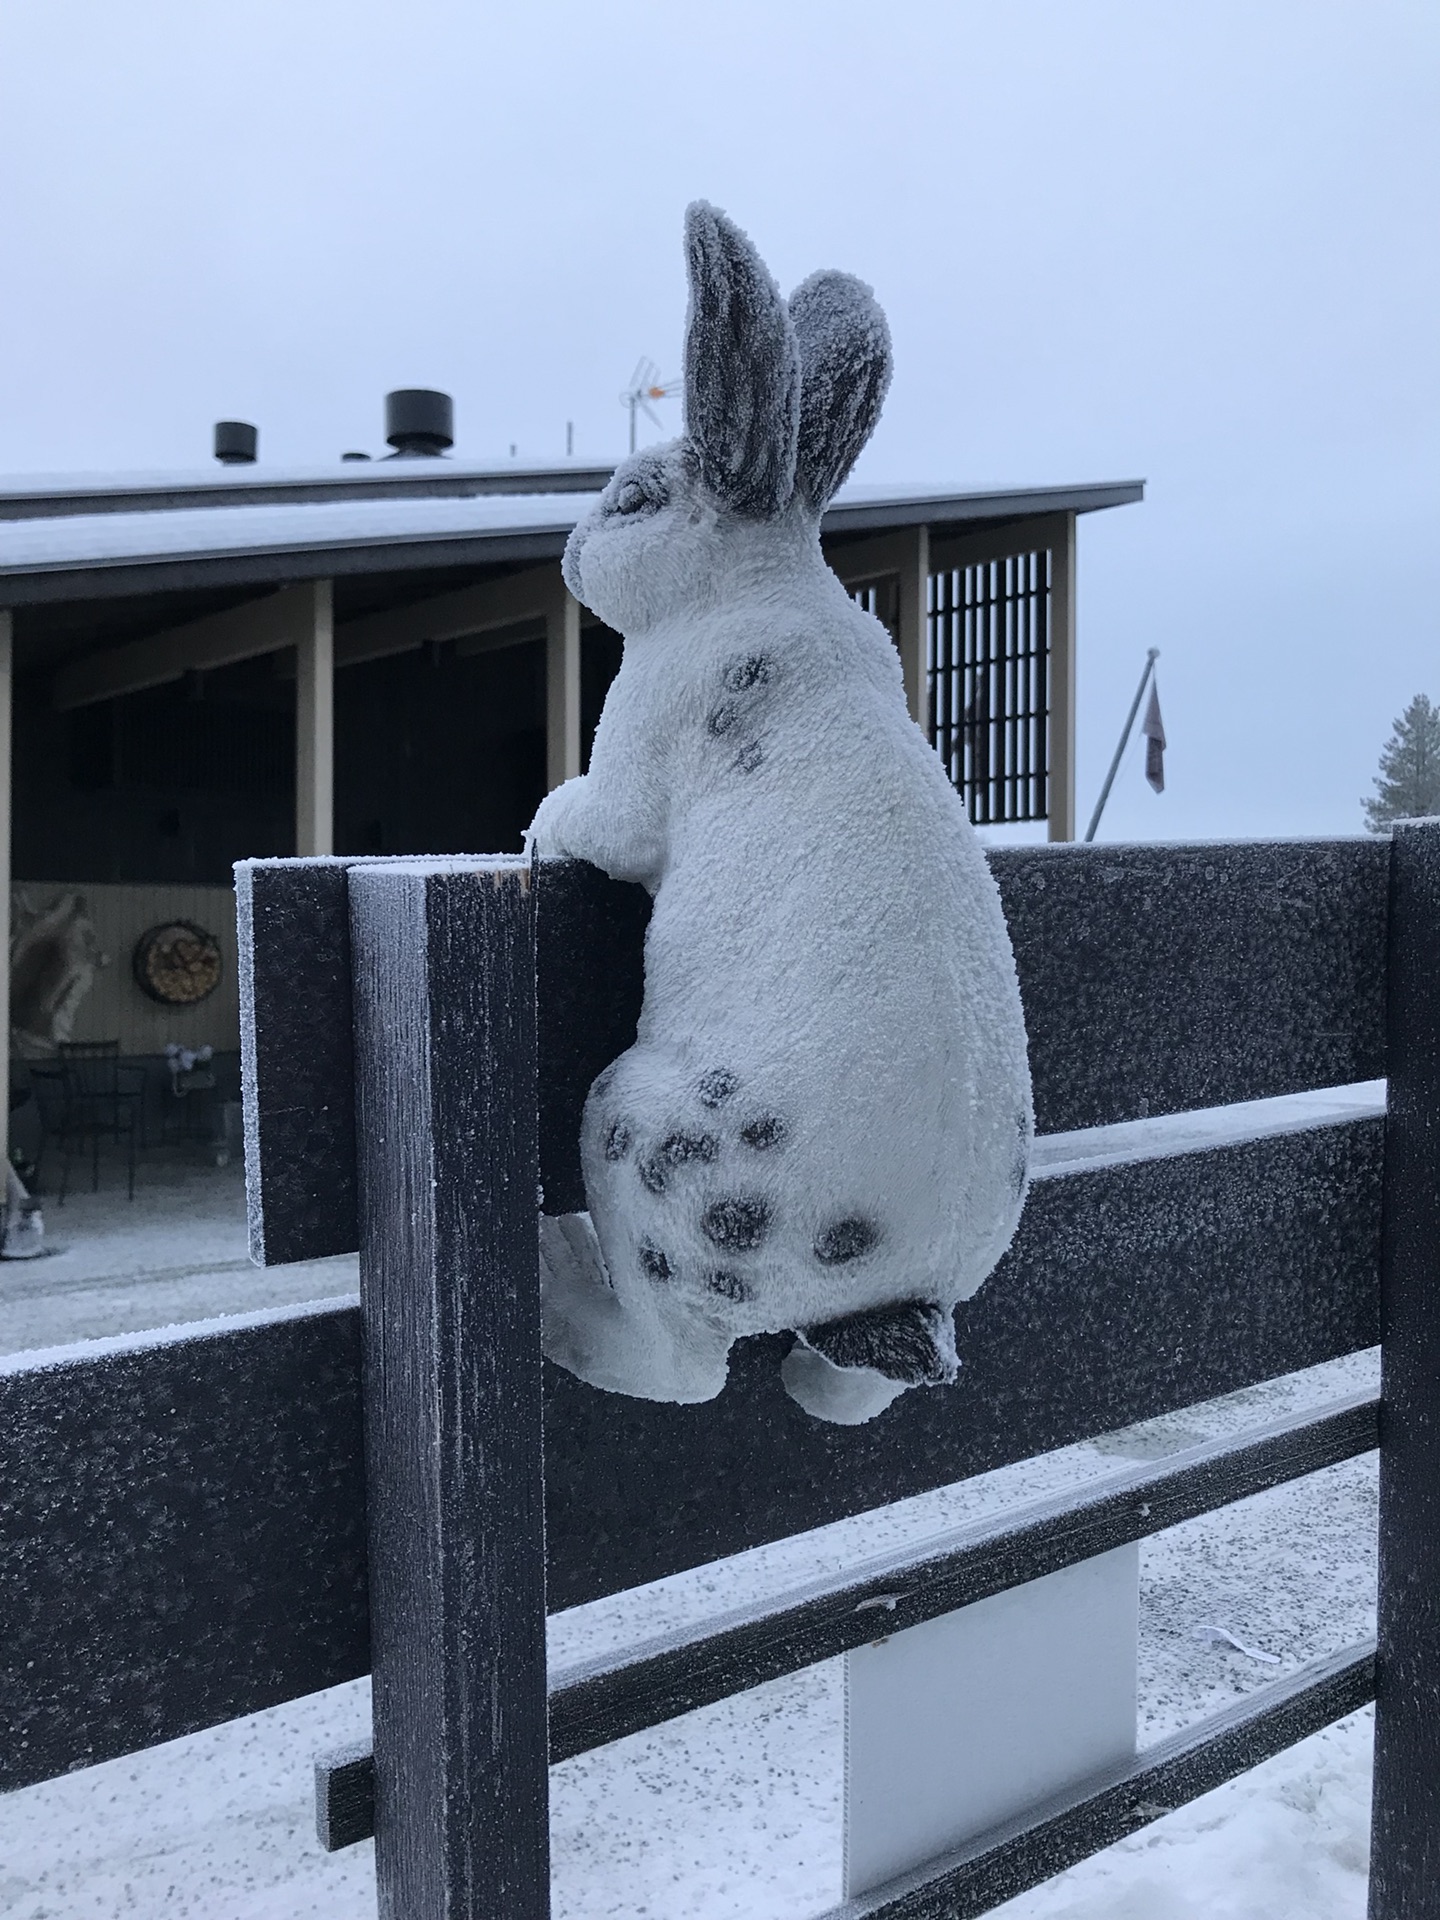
[[1151, 657]]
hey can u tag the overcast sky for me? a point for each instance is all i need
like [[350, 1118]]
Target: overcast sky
[[1196, 244]]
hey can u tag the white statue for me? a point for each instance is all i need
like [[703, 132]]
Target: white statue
[[54, 955], [824, 1124]]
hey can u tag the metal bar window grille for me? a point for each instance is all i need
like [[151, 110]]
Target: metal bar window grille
[[988, 664], [882, 598], [989, 670]]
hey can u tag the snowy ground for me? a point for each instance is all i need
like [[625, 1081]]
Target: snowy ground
[[176, 1252], [733, 1811]]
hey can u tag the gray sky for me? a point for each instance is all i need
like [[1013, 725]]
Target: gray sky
[[1195, 244]]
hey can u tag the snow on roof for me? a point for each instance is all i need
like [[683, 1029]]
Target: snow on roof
[[85, 540], [81, 542], [22, 495]]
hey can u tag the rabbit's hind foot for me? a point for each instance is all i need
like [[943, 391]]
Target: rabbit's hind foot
[[634, 1345]]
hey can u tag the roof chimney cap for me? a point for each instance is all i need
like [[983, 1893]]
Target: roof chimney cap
[[419, 423], [237, 443]]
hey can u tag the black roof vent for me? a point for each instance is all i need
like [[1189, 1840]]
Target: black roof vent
[[237, 443], [419, 423]]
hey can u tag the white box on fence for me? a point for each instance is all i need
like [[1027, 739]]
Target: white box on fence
[[969, 1720]]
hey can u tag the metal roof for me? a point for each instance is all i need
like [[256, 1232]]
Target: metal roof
[[99, 536]]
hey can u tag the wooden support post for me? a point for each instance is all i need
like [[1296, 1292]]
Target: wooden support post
[[1062, 681], [1405, 1842], [914, 626], [443, 955], [902, 556], [315, 727], [562, 685], [7, 816]]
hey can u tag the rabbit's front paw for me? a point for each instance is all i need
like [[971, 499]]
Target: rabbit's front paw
[[580, 821], [558, 830]]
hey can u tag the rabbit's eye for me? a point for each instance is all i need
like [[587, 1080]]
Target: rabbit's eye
[[632, 498]]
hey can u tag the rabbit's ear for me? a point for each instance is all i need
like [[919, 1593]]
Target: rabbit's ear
[[845, 370], [742, 369]]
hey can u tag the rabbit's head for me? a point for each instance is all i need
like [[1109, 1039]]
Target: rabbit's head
[[779, 399]]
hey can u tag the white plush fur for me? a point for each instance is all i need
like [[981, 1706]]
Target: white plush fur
[[826, 1115]]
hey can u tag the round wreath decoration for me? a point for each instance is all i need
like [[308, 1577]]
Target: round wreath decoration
[[177, 963]]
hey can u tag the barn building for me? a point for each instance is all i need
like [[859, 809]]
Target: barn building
[[381, 657]]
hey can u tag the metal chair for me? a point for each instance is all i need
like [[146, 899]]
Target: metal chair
[[98, 1099]]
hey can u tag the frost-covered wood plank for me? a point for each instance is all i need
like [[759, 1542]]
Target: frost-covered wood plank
[[1405, 1841], [1129, 1290], [607, 1700], [297, 1058], [1155, 979], [1004, 1863], [1132, 1289], [444, 997], [298, 1054], [182, 1534]]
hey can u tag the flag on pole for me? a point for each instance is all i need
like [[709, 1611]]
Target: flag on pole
[[1154, 732]]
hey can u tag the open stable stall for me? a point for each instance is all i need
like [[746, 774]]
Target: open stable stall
[[208, 1521]]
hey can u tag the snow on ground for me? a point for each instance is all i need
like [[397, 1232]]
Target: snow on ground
[[736, 1810], [176, 1252], [1289, 1841]]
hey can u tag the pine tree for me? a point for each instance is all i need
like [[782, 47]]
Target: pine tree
[[1407, 786]]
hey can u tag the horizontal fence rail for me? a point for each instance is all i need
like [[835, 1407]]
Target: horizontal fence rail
[[209, 1485], [1155, 979], [182, 1535], [602, 1701]]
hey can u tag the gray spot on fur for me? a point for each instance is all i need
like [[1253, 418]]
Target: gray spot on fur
[[736, 1225], [764, 1133], [716, 1087], [722, 720], [729, 1284], [653, 1263], [753, 671], [903, 1343], [845, 1240], [617, 1140], [750, 756], [651, 1169], [680, 1148]]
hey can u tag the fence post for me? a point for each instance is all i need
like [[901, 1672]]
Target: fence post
[[446, 1101], [1405, 1844]]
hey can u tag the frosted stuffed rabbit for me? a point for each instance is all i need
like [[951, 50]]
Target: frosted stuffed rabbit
[[825, 1121]]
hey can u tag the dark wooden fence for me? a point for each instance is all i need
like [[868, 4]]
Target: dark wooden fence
[[207, 1521]]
